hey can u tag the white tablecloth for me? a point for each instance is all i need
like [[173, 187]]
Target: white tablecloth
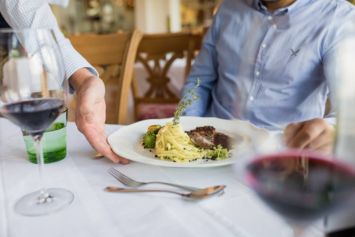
[[100, 214]]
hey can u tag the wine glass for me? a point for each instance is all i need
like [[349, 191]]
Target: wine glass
[[32, 97], [299, 184]]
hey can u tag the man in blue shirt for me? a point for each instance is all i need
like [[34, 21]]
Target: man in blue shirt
[[267, 62]]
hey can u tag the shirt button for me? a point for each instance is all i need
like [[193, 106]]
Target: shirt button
[[274, 26], [257, 73], [251, 98], [269, 18], [263, 46]]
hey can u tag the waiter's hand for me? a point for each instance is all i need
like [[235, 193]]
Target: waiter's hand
[[316, 134], [90, 114]]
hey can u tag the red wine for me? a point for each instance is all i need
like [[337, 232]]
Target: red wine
[[33, 116], [301, 186]]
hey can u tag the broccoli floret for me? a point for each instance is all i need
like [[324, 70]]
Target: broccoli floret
[[149, 140], [218, 153]]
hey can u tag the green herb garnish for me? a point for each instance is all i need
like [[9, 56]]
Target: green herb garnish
[[186, 101]]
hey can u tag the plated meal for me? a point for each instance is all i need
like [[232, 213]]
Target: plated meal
[[185, 141], [170, 142], [127, 141]]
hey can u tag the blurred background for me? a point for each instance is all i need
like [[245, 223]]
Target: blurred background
[[149, 16], [105, 32]]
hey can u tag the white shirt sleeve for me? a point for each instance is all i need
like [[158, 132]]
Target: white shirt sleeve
[[21, 14]]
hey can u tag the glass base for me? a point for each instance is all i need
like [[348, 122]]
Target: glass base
[[38, 204]]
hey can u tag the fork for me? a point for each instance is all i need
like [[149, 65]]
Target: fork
[[124, 179], [194, 195]]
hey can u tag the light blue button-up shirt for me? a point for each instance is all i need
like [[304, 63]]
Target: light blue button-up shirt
[[269, 68]]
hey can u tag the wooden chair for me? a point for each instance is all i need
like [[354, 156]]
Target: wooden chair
[[113, 56], [157, 53]]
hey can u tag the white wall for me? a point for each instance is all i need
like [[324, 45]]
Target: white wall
[[151, 16], [174, 10]]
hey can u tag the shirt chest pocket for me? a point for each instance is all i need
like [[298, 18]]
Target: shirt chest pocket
[[291, 67]]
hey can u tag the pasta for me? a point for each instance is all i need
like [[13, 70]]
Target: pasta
[[172, 143]]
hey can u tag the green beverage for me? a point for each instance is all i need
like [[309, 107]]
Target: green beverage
[[54, 142]]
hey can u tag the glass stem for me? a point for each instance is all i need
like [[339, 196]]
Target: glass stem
[[325, 225], [44, 195], [5, 214]]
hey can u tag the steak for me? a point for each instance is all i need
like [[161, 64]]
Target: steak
[[206, 137], [223, 140]]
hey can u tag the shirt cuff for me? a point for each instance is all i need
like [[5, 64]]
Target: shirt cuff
[[331, 120]]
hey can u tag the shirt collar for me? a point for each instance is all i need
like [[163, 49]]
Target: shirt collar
[[258, 5]]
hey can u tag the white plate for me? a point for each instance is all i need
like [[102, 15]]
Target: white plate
[[127, 141]]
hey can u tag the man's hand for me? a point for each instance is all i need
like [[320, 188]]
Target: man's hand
[[315, 134], [90, 114]]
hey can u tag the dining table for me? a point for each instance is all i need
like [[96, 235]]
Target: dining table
[[97, 213]]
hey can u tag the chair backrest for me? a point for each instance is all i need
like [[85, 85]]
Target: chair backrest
[[113, 55], [157, 53]]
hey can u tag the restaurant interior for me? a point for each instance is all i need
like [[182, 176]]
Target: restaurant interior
[[154, 92], [133, 164]]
